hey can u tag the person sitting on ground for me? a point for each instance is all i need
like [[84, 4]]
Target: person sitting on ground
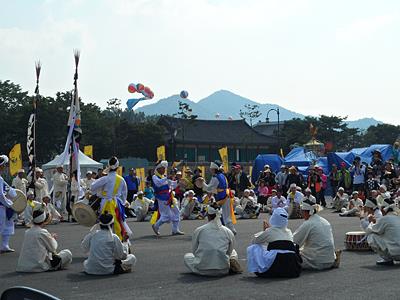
[[213, 252], [141, 205], [273, 253], [279, 201], [30, 205], [39, 249], [341, 200], [371, 184], [263, 193], [248, 207], [268, 207], [294, 199], [384, 236], [354, 208], [382, 195], [55, 215], [106, 253], [315, 239], [189, 203], [372, 213]]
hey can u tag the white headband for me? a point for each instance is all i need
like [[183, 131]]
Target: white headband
[[40, 218], [213, 165], [5, 160], [213, 211], [162, 164], [114, 166]]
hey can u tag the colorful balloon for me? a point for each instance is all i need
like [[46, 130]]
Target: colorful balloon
[[132, 88], [140, 87], [184, 94]]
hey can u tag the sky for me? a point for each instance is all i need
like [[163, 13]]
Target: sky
[[311, 56]]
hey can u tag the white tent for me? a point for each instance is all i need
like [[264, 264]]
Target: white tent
[[85, 162]]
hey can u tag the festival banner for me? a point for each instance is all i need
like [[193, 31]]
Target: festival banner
[[161, 153], [15, 159], [223, 153], [88, 150], [203, 171], [140, 173]]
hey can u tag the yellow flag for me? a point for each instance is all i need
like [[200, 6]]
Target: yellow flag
[[161, 153], [119, 170], [223, 153], [203, 171], [88, 150], [250, 170], [142, 177], [15, 159]]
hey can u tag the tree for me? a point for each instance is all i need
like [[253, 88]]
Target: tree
[[250, 112], [184, 111], [381, 134]]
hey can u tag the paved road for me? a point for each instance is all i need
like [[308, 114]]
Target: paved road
[[160, 272]]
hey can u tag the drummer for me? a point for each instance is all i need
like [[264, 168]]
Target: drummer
[[372, 213], [113, 192], [6, 212]]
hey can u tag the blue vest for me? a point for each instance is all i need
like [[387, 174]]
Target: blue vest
[[222, 186], [161, 192]]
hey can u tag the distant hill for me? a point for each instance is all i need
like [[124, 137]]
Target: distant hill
[[226, 104]]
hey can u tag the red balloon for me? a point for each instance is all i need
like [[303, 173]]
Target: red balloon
[[140, 87], [146, 90], [151, 95], [132, 88]]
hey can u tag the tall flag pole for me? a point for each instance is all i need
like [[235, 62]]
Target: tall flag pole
[[74, 121], [31, 138]]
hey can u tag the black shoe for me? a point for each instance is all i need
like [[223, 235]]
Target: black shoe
[[383, 262]]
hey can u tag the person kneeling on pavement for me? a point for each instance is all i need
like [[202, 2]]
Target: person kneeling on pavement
[[315, 239], [39, 249], [212, 245], [384, 236], [273, 253], [107, 254]]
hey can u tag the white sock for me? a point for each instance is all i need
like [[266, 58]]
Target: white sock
[[4, 242]]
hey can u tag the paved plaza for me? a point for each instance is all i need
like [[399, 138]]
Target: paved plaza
[[161, 274]]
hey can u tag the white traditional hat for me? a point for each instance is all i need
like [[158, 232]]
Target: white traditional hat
[[3, 160], [162, 164]]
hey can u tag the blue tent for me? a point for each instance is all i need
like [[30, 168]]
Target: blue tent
[[273, 160], [366, 153], [338, 157], [300, 158]]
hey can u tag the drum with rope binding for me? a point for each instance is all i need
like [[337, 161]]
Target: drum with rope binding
[[19, 201], [356, 241], [84, 214]]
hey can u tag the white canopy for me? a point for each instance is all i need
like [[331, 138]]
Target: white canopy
[[85, 162]]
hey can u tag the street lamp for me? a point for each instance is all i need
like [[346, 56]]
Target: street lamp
[[267, 121]]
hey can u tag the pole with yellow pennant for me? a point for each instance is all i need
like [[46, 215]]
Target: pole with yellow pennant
[[15, 159], [88, 150], [142, 178], [223, 153], [161, 153]]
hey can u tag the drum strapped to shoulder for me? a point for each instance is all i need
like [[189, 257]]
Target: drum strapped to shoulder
[[87, 214], [19, 201], [356, 241]]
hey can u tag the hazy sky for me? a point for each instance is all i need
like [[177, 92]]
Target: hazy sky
[[312, 56]]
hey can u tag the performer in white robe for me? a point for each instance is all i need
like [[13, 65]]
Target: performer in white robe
[[167, 206], [30, 206], [218, 186], [113, 192], [188, 206], [106, 253], [383, 194], [273, 253], [294, 198], [54, 214], [41, 185], [372, 213], [315, 239], [19, 182], [341, 200], [248, 208], [87, 181], [39, 249], [60, 184], [213, 252], [6, 213], [280, 201], [354, 208], [141, 207], [384, 236]]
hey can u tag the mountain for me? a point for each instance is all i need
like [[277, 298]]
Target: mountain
[[363, 123], [226, 104]]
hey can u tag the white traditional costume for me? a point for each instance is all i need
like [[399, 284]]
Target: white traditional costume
[[384, 236], [294, 199], [141, 206], [218, 186], [20, 183], [212, 248], [315, 239], [280, 202], [41, 186], [354, 208], [6, 212], [113, 191], [39, 249], [272, 253], [189, 204], [106, 253], [248, 208], [60, 183], [168, 210], [30, 206], [341, 200], [372, 204]]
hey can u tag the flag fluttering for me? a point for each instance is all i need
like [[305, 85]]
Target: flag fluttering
[[15, 159]]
